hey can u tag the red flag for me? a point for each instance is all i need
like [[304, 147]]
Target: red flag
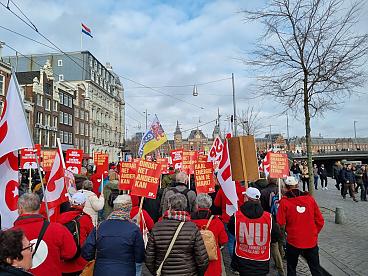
[[8, 189], [55, 190]]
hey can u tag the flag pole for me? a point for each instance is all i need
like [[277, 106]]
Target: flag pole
[[30, 181], [61, 153], [31, 138], [81, 41]]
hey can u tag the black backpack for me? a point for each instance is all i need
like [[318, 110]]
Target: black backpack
[[113, 195], [185, 193], [74, 228]]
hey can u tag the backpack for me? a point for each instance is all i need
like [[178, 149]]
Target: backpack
[[274, 203], [74, 228], [209, 241], [185, 193], [113, 195]]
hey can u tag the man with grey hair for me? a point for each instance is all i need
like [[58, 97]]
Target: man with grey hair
[[181, 186], [57, 243]]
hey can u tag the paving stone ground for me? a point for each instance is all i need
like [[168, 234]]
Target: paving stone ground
[[346, 245]]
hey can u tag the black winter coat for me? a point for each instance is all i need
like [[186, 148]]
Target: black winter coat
[[188, 255], [12, 271], [348, 175], [252, 210]]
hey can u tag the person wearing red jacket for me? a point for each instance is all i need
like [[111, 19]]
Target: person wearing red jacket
[[221, 201], [75, 266], [299, 213], [57, 243], [201, 218], [144, 215]]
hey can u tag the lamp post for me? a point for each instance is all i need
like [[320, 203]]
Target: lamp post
[[355, 133], [145, 112]]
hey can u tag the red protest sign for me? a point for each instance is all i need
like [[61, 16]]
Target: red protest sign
[[48, 157], [102, 163], [28, 157], [128, 171], [202, 158], [147, 179], [164, 162], [203, 175], [73, 160], [177, 158], [279, 165], [189, 159]]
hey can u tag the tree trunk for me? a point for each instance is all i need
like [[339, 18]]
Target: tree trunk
[[308, 137]]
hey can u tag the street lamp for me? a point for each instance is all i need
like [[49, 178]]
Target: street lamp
[[355, 133], [195, 91], [145, 112]]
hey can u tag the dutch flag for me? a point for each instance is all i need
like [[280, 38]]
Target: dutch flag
[[86, 30]]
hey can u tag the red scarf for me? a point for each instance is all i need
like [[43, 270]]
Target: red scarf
[[176, 215]]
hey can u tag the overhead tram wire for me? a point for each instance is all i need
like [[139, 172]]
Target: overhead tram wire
[[33, 27]]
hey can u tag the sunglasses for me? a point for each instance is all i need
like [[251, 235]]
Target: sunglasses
[[30, 247]]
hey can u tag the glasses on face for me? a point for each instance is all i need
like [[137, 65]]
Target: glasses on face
[[30, 247]]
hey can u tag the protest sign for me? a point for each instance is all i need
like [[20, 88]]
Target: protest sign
[[73, 160], [243, 158], [164, 162], [48, 157], [28, 157], [102, 163], [177, 158], [147, 179], [189, 159], [203, 175], [128, 171], [202, 158], [69, 180], [279, 165], [215, 153]]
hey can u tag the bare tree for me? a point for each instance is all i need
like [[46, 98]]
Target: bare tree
[[310, 57], [249, 121]]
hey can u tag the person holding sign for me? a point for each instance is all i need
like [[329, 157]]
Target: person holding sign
[[253, 230]]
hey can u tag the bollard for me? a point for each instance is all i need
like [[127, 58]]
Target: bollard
[[340, 216]]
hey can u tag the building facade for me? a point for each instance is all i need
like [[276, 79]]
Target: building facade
[[5, 73], [103, 99]]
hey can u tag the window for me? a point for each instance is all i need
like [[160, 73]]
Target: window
[[81, 128], [54, 121], [39, 100], [66, 117], [77, 128], [47, 119], [53, 138], [61, 77], [82, 144], [86, 129], [61, 117], [2, 85], [60, 62], [77, 143], [61, 136], [86, 115], [66, 137], [48, 104], [38, 137], [70, 135], [81, 114], [70, 120], [48, 89], [47, 138], [76, 112], [39, 118], [55, 106]]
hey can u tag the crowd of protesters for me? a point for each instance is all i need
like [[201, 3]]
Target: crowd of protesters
[[178, 233]]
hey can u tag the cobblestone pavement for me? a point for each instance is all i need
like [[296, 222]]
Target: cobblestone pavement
[[346, 245]]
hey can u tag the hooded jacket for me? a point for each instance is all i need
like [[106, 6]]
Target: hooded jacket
[[253, 210], [93, 205], [300, 214], [58, 243], [111, 185]]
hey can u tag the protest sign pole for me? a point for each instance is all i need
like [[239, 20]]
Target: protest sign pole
[[279, 184], [189, 181], [42, 185], [30, 181], [242, 154], [140, 211]]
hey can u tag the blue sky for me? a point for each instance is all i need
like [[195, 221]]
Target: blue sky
[[160, 43]]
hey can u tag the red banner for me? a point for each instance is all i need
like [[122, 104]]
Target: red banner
[[48, 157], [204, 178], [164, 162], [28, 157], [177, 158], [73, 160], [147, 179], [128, 171], [102, 163], [279, 165], [189, 160]]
